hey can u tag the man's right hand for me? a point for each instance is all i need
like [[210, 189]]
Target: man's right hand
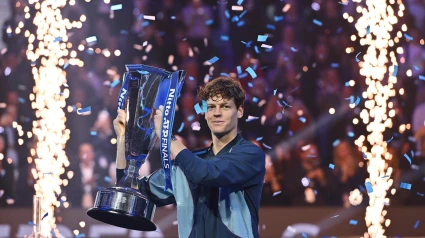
[[119, 123]]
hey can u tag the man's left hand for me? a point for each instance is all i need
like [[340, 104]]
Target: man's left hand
[[158, 120]]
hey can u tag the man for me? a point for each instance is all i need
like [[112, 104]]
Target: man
[[217, 189]]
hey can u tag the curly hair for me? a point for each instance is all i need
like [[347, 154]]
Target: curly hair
[[227, 88]]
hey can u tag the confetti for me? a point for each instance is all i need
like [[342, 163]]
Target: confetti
[[302, 119], [262, 38], [45, 215], [350, 134], [32, 223], [357, 59], [242, 14], [221, 2], [353, 222], [198, 109], [213, 60], [367, 30], [420, 194], [335, 216], [277, 193], [331, 166], [209, 22], [267, 146], [395, 70], [66, 65], [408, 158], [364, 155], [388, 141], [240, 2], [274, 92], [251, 118], [250, 85], [407, 186], [91, 39], [408, 37], [357, 101], [116, 7], [108, 179], [416, 67], [83, 110], [335, 65], [293, 49], [279, 129], [146, 17], [254, 99], [259, 138], [369, 187], [181, 127], [416, 224], [278, 18], [57, 39], [266, 46], [256, 49], [81, 235], [237, 8], [271, 27], [421, 77], [251, 72], [93, 133], [304, 234], [115, 83], [224, 38], [317, 22], [336, 142], [240, 23]]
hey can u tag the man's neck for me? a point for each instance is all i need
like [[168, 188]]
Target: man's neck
[[219, 143]]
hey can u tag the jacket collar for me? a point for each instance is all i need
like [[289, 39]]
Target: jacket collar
[[228, 146]]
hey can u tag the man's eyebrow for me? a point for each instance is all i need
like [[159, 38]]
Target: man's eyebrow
[[212, 104]]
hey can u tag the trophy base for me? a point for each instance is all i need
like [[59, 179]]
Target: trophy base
[[123, 207]]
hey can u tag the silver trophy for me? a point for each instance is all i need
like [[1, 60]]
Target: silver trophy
[[144, 88]]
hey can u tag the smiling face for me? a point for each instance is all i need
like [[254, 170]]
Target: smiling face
[[222, 115]]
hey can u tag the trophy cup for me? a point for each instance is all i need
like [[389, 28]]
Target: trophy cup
[[147, 88]]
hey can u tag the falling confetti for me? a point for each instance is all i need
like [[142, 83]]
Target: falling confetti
[[116, 7], [251, 72], [357, 59], [408, 37], [317, 22], [407, 186], [395, 70], [353, 222], [277, 193], [262, 38], [408, 158], [331, 166], [369, 187]]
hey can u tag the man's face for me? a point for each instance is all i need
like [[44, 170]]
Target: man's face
[[222, 115]]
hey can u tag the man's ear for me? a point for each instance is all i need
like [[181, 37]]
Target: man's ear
[[240, 111]]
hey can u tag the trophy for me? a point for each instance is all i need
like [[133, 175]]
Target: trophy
[[146, 88]]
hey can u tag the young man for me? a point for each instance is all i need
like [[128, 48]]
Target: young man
[[217, 189]]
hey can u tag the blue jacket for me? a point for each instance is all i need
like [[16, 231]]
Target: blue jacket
[[216, 195]]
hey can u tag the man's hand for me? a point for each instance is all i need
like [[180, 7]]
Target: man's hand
[[158, 120], [119, 123]]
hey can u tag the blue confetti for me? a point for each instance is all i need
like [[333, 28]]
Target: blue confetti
[[293, 49], [45, 215], [241, 76], [93, 133], [57, 39], [115, 83], [331, 166], [259, 138], [408, 158], [250, 84], [209, 22], [240, 23], [66, 65], [32, 223], [224, 38], [239, 69], [357, 59], [295, 89], [235, 19], [21, 100], [353, 222], [190, 118], [213, 60], [274, 92], [317, 22], [271, 27], [350, 134], [255, 99], [357, 101], [82, 110], [367, 30], [420, 194], [361, 188], [181, 127], [81, 235], [364, 155], [369, 187], [334, 65], [221, 2], [408, 37], [262, 38], [266, 146], [416, 67], [116, 7], [227, 14], [407, 186], [388, 141], [395, 70], [302, 119], [251, 118], [191, 78], [107, 179], [204, 106], [251, 72], [242, 14], [279, 129], [173, 17], [416, 224], [336, 142], [91, 39], [421, 77], [197, 108], [240, 2], [278, 18], [304, 235], [347, 84], [256, 49], [290, 133]]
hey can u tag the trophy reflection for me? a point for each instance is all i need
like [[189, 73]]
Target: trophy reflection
[[144, 88]]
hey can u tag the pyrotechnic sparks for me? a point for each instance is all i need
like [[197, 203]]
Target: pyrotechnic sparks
[[377, 64]]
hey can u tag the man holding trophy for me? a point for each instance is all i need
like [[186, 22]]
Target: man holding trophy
[[217, 189]]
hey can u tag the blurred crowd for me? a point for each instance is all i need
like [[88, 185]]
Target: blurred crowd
[[297, 107]]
